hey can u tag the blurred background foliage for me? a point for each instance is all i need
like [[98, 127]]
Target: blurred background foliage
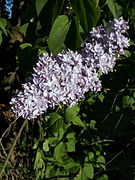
[[95, 139]]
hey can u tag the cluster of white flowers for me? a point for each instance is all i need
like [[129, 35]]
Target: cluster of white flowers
[[64, 78]]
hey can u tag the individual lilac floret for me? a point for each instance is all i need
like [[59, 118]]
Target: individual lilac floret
[[60, 79], [104, 45]]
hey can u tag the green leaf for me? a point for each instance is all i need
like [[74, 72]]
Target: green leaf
[[56, 124], [39, 5], [77, 121], [88, 12], [25, 45], [46, 146], [54, 117], [79, 176], [74, 39], [115, 8], [96, 3], [3, 26], [61, 173], [71, 146], [23, 29], [101, 97], [72, 167], [49, 171], [88, 171], [52, 140], [71, 142], [0, 37], [93, 124], [103, 177], [60, 151], [90, 157], [128, 101], [58, 34], [101, 162], [37, 159], [57, 7], [36, 143], [3, 22], [71, 116], [61, 133], [117, 108], [71, 135], [71, 113]]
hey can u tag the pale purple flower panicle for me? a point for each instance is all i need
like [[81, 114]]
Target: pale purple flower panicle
[[64, 78], [104, 45], [60, 79]]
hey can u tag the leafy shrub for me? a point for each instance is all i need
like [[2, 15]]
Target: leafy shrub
[[93, 139]]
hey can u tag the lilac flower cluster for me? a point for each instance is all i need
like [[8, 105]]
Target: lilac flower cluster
[[55, 80], [105, 45], [64, 78]]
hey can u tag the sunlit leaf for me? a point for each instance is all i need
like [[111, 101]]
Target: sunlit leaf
[[71, 113], [101, 162], [54, 117], [87, 11], [58, 34], [88, 171], [115, 8], [46, 146], [77, 121], [71, 146], [60, 151]]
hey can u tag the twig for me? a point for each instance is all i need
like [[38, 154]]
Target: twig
[[4, 133], [12, 147], [120, 118], [112, 106], [3, 149], [118, 154], [114, 100], [102, 141]]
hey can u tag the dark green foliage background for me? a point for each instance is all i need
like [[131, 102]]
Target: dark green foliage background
[[95, 139]]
